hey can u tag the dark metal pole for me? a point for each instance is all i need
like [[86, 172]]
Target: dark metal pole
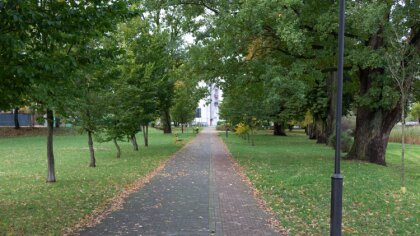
[[337, 179]]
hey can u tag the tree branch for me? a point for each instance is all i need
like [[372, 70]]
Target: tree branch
[[200, 3]]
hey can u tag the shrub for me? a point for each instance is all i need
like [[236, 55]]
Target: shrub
[[241, 129], [222, 127], [346, 141]]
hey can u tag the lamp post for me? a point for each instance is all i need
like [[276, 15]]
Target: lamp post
[[337, 179]]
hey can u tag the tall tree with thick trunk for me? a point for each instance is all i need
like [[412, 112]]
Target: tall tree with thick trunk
[[165, 119], [298, 35], [380, 101], [279, 129]]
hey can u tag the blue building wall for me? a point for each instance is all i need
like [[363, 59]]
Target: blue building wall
[[8, 119]]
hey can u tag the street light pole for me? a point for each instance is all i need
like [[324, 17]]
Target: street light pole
[[337, 179]]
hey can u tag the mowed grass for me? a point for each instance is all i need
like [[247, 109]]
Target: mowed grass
[[293, 175], [30, 206]]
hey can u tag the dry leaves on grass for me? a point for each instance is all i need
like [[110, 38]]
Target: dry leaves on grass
[[113, 204], [272, 221], [118, 201]]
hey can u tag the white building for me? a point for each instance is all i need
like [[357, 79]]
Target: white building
[[207, 113]]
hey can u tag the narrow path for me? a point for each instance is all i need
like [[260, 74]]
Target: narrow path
[[197, 193]]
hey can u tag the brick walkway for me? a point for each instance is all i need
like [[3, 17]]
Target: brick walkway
[[197, 193]]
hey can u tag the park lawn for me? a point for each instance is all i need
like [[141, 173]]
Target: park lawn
[[29, 205], [293, 175]]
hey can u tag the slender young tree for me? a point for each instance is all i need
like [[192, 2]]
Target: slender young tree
[[402, 61]]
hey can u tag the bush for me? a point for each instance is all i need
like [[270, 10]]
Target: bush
[[348, 124], [346, 141], [222, 127], [241, 129]]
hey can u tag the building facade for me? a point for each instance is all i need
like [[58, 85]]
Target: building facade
[[207, 113]]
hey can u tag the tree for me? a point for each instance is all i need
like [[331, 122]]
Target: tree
[[301, 37], [416, 90], [15, 65], [415, 111], [285, 101], [57, 29], [379, 102], [91, 80], [186, 98], [403, 65]]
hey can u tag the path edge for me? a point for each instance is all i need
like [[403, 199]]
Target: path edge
[[272, 221], [116, 203]]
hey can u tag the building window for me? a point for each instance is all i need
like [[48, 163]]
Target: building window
[[198, 113]]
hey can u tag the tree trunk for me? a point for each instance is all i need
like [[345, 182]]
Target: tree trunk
[[91, 150], [373, 127], [166, 122], [252, 137], [16, 118], [118, 148], [134, 142], [50, 151], [32, 118], [182, 128], [403, 144], [311, 131], [321, 136], [146, 135], [279, 129], [332, 101]]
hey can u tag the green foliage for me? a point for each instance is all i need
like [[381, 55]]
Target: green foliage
[[415, 111], [285, 100], [293, 175], [186, 97], [346, 142], [416, 90]]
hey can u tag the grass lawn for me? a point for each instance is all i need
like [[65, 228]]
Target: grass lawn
[[293, 175], [28, 205]]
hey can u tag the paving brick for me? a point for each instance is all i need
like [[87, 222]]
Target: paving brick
[[197, 193]]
